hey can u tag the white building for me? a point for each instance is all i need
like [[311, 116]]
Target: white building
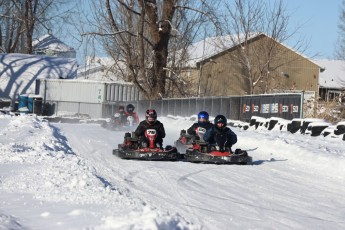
[[101, 69], [332, 79], [19, 72], [51, 46]]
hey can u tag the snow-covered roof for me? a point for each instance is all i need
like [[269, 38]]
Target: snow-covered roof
[[98, 68], [91, 67], [212, 46], [207, 48], [49, 42], [18, 72], [334, 74]]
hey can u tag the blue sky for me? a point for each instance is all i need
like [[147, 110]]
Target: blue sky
[[320, 20]]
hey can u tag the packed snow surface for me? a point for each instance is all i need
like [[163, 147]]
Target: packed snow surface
[[64, 176]]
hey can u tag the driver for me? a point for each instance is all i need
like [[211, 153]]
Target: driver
[[130, 112], [203, 122], [220, 129], [150, 122]]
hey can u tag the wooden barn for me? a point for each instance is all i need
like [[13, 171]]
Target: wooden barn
[[260, 65]]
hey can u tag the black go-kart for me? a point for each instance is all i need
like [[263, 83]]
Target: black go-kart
[[116, 123], [132, 148], [202, 152], [186, 140]]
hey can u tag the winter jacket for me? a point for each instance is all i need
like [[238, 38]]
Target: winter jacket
[[134, 115], [211, 134], [144, 125], [122, 118], [205, 125]]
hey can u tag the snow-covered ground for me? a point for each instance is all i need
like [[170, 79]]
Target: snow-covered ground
[[64, 176]]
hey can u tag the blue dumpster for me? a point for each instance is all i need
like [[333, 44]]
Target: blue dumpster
[[31, 102], [23, 103]]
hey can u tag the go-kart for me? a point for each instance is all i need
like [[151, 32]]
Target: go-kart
[[186, 140], [133, 148], [116, 123], [202, 152]]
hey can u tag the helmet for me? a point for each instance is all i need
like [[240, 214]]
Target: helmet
[[121, 108], [130, 108], [220, 119], [203, 114], [151, 115]]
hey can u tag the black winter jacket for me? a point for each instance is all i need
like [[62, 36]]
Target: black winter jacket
[[205, 125], [144, 125], [212, 132]]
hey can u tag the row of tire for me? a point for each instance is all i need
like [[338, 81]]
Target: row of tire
[[307, 126]]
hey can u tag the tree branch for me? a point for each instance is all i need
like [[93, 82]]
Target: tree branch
[[115, 33], [128, 8]]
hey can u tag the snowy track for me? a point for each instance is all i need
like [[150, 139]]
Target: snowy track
[[284, 187], [64, 176]]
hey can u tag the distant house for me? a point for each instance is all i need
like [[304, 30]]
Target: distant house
[[332, 79], [221, 74], [19, 72], [101, 69], [51, 46]]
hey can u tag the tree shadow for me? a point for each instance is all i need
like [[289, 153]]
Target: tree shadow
[[259, 162], [19, 72], [62, 140]]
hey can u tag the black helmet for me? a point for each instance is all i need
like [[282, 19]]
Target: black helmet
[[130, 108], [220, 119], [121, 108], [151, 115]]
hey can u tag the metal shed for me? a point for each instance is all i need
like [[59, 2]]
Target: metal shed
[[84, 97]]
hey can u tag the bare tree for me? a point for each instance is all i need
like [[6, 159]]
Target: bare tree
[[340, 51], [21, 20], [245, 19], [143, 37], [10, 26]]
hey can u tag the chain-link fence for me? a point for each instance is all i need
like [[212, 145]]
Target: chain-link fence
[[286, 106]]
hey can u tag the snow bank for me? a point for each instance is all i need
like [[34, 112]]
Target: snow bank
[[61, 176], [9, 222], [38, 165], [146, 219]]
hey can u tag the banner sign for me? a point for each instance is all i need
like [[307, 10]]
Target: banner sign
[[284, 106]]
